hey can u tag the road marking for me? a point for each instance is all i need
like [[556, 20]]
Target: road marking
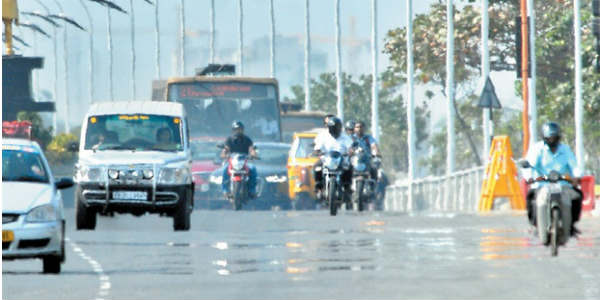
[[104, 287]]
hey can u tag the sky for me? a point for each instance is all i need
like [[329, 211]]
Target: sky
[[289, 22]]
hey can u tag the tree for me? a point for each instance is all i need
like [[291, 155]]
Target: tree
[[554, 53], [39, 133], [357, 106]]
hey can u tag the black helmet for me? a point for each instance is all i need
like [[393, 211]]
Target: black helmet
[[551, 133], [237, 124], [350, 125], [334, 125]]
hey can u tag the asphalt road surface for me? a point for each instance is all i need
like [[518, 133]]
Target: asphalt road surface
[[277, 254]]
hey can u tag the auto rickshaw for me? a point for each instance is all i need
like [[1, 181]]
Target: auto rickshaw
[[300, 170]]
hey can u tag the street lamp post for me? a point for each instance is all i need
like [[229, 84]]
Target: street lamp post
[[91, 52], [66, 67], [338, 56]]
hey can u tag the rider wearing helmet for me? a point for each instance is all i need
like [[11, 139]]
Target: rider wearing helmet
[[367, 142], [239, 143], [333, 140], [552, 155], [349, 128]]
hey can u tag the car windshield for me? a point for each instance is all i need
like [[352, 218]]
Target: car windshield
[[212, 107], [134, 132], [305, 147], [23, 165], [204, 150], [273, 155]]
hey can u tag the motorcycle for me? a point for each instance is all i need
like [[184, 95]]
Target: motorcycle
[[239, 175], [333, 166], [363, 185], [553, 209]]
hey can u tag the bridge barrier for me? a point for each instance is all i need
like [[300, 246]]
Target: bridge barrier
[[459, 191]]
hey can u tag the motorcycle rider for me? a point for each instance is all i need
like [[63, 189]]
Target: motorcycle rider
[[552, 155], [239, 143], [349, 128], [367, 142], [333, 140]]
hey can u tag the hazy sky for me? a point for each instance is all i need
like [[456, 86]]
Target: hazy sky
[[289, 20]]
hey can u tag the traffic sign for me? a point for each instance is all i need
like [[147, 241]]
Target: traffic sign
[[488, 98]]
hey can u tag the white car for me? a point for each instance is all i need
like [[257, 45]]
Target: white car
[[33, 222]]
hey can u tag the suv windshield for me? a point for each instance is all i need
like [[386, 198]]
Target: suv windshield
[[19, 165], [134, 132]]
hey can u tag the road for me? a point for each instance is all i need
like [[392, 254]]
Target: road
[[277, 254]]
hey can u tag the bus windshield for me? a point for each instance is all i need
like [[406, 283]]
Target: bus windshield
[[213, 106]]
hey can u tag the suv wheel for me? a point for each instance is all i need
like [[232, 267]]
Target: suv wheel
[[181, 218], [85, 217], [52, 264]]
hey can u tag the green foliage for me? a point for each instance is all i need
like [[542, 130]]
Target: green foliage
[[41, 134], [57, 151]]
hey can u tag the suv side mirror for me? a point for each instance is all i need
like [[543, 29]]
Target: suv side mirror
[[73, 147], [64, 183]]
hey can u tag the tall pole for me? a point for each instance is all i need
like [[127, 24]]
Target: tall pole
[[485, 72], [410, 107], [241, 37], [450, 87], [91, 52], [272, 12], [525, 75], [157, 39], [579, 153], [212, 31], [110, 54], [132, 34], [55, 91], [307, 56], [182, 37], [66, 69], [338, 56], [532, 83], [375, 84]]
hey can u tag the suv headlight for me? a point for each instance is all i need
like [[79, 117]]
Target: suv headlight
[[174, 175], [42, 213], [89, 174]]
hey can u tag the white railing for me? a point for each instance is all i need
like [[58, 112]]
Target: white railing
[[456, 192]]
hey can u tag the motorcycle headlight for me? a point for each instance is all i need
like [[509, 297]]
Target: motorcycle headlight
[[42, 213], [331, 163], [355, 160], [89, 174], [554, 176], [237, 164], [215, 179], [174, 175]]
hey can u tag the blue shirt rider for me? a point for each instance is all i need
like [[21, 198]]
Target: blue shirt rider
[[552, 155], [239, 143]]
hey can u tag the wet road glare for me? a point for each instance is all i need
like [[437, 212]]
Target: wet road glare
[[308, 254]]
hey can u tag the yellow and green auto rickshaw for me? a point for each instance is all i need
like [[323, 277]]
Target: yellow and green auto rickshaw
[[300, 170]]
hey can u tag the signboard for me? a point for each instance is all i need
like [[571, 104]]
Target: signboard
[[195, 90]]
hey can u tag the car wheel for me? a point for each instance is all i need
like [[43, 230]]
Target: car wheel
[[52, 264], [181, 218], [85, 216]]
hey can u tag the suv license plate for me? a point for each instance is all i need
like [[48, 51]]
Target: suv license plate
[[130, 195]]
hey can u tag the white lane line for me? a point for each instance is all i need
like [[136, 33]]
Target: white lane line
[[104, 287]]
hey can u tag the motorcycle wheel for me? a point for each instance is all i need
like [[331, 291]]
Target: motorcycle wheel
[[360, 197], [554, 231], [331, 197], [237, 191]]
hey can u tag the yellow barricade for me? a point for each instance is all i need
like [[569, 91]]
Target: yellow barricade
[[501, 177]]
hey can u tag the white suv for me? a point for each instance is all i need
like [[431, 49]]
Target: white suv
[[134, 157], [33, 222]]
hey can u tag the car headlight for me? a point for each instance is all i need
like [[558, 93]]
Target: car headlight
[[148, 173], [215, 179], [89, 174], [275, 178], [174, 175], [42, 213]]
